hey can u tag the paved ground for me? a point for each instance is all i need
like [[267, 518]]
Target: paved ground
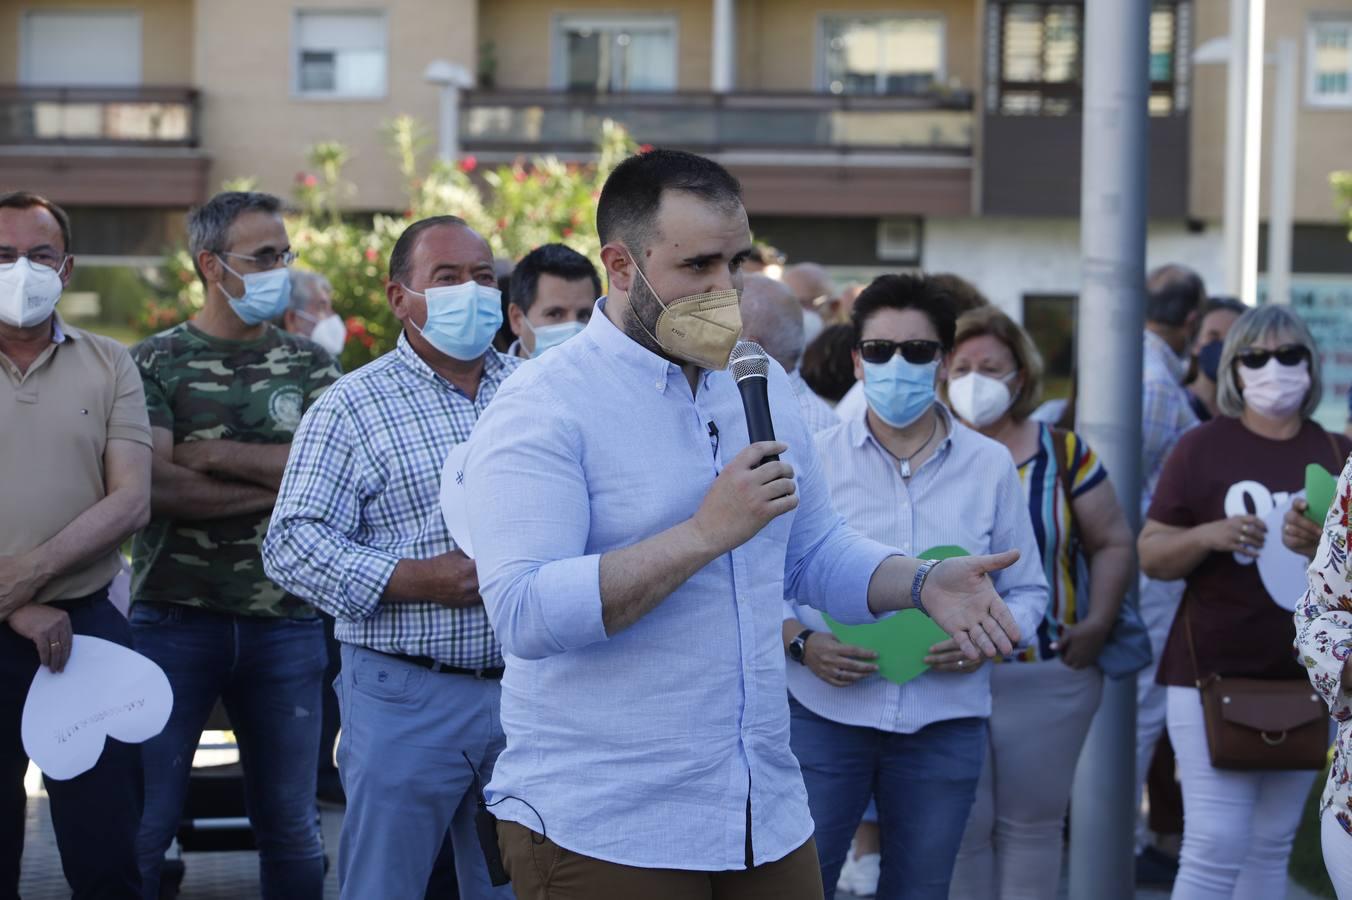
[[234, 876]]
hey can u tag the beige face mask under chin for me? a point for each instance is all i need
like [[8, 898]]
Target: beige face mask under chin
[[700, 329]]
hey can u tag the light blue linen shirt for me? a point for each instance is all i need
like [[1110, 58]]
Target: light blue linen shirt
[[967, 494], [637, 748]]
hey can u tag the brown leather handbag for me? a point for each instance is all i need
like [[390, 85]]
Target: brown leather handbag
[[1256, 724]]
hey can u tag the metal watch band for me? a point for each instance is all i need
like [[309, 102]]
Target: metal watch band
[[918, 584]]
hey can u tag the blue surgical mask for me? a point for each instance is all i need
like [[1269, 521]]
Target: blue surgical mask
[[462, 319], [1209, 359], [265, 294], [899, 392], [547, 337]]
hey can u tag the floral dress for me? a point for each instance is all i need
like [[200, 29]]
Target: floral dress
[[1324, 642]]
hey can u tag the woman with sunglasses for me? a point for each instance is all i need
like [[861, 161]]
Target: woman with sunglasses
[[1043, 699], [1205, 525], [905, 471]]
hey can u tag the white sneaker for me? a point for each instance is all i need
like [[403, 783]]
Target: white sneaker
[[859, 875]]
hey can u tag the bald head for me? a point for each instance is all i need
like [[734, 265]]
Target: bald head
[[809, 281], [772, 318], [1174, 295]]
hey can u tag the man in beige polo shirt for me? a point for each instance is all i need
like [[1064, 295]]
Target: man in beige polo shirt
[[75, 453]]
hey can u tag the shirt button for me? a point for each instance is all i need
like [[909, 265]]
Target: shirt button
[[659, 385]]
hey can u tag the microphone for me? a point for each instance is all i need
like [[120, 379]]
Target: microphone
[[750, 366]]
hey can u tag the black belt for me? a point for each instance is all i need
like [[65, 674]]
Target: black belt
[[427, 662]]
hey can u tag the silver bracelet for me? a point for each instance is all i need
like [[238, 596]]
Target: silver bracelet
[[918, 584]]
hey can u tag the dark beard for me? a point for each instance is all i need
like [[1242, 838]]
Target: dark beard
[[644, 308]]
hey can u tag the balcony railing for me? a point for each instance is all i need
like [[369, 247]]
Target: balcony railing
[[101, 117], [561, 122]]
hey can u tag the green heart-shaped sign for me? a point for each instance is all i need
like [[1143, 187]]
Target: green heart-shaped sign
[[902, 641], [1320, 487]]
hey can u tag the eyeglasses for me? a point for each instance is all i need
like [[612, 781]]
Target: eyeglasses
[[1287, 355], [918, 353], [48, 258], [268, 259]]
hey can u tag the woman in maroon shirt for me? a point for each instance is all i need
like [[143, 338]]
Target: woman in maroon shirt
[[1205, 525]]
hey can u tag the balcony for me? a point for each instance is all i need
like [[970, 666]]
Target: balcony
[[95, 146], [795, 153], [559, 122]]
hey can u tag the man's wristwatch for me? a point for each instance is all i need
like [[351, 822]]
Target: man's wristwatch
[[918, 584], [798, 646]]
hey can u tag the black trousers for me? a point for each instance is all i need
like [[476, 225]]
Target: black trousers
[[95, 815]]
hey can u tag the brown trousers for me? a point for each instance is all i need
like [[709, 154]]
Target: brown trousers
[[542, 870]]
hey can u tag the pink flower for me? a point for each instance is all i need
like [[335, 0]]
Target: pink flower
[[371, 254], [468, 164], [645, 148]]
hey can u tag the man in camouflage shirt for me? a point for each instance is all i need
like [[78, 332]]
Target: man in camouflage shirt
[[225, 393]]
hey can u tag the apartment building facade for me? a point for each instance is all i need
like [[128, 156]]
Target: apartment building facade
[[869, 134]]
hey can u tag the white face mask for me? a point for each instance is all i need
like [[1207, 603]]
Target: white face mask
[[28, 293], [329, 332], [1276, 391], [812, 325], [547, 337], [980, 399]]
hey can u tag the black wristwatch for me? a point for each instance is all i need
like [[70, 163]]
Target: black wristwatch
[[798, 646]]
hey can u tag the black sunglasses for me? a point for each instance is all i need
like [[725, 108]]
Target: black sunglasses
[[917, 353], [1287, 355]]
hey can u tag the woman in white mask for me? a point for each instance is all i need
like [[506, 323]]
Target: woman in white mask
[[1043, 699], [1206, 525]]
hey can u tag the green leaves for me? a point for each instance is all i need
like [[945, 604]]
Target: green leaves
[[516, 207]]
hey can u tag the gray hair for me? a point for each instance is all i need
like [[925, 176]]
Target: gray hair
[[772, 317], [209, 224], [304, 283], [1252, 327]]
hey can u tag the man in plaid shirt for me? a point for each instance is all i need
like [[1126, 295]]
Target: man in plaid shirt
[[1174, 298], [358, 531]]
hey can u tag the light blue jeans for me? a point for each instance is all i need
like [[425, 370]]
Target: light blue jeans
[[405, 729]]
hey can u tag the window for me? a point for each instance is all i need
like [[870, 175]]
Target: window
[[606, 54], [1049, 320], [1037, 53], [79, 47], [1329, 55], [340, 54], [882, 54]]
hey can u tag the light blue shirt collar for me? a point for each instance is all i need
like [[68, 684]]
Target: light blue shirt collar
[[644, 363]]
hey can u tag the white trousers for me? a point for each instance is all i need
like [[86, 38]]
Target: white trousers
[[1040, 714], [1238, 826], [1159, 604], [1337, 844]]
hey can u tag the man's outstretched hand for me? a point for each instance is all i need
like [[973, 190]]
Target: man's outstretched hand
[[961, 599]]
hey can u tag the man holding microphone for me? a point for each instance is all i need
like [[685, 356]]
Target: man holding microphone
[[633, 553]]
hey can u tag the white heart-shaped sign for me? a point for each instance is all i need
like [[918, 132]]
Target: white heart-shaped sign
[[1282, 570], [453, 501], [106, 690]]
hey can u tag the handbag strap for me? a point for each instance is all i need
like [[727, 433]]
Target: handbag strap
[[1192, 648], [1339, 459], [1061, 446]]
